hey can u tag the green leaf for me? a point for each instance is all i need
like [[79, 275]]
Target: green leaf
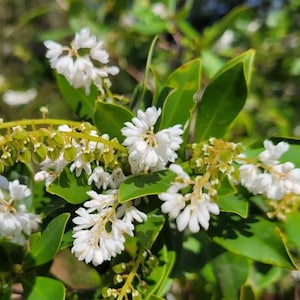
[[141, 97], [234, 204], [160, 274], [223, 98], [110, 118], [44, 288], [246, 58], [142, 185], [232, 271], [69, 187], [247, 293], [76, 274], [80, 103], [255, 238], [185, 82], [263, 276], [292, 155], [291, 229], [148, 231], [44, 248]]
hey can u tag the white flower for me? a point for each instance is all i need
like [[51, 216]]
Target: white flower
[[130, 213], [80, 164], [117, 177], [18, 191], [103, 179], [100, 229], [268, 177], [150, 151], [50, 169], [16, 224], [14, 98], [197, 213], [84, 63], [100, 178], [255, 181], [191, 210], [272, 152], [285, 180]]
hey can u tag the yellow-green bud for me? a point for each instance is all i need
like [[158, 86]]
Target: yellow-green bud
[[39, 152], [70, 152]]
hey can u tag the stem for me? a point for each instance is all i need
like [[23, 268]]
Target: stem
[[30, 122], [131, 276], [33, 122]]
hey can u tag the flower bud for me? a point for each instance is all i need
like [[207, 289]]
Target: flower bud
[[25, 155], [39, 152], [70, 152]]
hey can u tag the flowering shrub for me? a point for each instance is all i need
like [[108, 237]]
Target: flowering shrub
[[139, 190]]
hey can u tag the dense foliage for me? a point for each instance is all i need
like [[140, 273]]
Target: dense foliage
[[151, 156]]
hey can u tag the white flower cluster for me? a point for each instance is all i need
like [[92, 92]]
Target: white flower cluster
[[16, 223], [269, 177], [149, 150], [101, 227], [191, 209], [84, 63]]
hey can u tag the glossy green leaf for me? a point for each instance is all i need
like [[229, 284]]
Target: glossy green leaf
[[148, 231], [142, 185], [226, 188], [291, 229], [160, 274], [255, 238], [44, 248], [234, 204], [247, 58], [69, 187], [80, 103], [223, 99], [44, 288], [185, 82], [110, 118]]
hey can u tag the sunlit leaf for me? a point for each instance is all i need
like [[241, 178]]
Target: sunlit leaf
[[234, 204], [185, 82], [45, 247], [221, 102], [142, 185], [44, 288], [69, 187], [247, 58], [255, 238]]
